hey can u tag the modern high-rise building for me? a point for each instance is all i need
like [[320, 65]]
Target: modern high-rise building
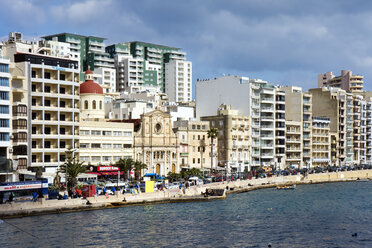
[[260, 100], [321, 142], [346, 81], [338, 106], [178, 80], [143, 66], [47, 89], [300, 110], [92, 54]]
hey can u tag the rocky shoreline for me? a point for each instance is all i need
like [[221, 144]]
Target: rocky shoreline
[[195, 193]]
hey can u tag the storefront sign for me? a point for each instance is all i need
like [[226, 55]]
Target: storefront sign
[[107, 168]]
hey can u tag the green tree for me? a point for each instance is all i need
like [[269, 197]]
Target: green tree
[[72, 168], [138, 166], [173, 176], [191, 173], [126, 165], [212, 134]]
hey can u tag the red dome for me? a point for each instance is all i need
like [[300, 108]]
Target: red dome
[[90, 87], [88, 72]]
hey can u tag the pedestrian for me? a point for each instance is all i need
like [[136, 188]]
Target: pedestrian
[[79, 192], [113, 190], [104, 191], [11, 196], [34, 196]]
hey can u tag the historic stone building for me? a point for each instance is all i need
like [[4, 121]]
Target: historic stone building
[[155, 143]]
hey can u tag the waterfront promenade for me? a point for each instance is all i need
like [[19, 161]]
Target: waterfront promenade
[[194, 193]]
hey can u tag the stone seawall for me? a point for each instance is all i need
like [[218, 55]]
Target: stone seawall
[[44, 206]]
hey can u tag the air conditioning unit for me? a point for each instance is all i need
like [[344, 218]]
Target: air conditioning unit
[[10, 150]]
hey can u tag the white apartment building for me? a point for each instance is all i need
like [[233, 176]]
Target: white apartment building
[[48, 87], [127, 109], [260, 100], [321, 142], [178, 80], [366, 127], [106, 78], [293, 144], [129, 73], [6, 168], [104, 143]]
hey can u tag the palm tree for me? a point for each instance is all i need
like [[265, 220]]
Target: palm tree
[[212, 134], [138, 166], [72, 168], [126, 165]]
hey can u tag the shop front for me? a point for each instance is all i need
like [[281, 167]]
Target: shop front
[[106, 173]]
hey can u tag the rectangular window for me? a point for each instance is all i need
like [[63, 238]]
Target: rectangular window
[[117, 146], [4, 109], [4, 68], [4, 95], [193, 160], [107, 158], [46, 144], [4, 137], [62, 104], [127, 134], [62, 130], [117, 133], [84, 132], [96, 145], [62, 117], [47, 103], [95, 132], [47, 130], [4, 82], [84, 145], [106, 133], [62, 77], [47, 158], [62, 90], [127, 145], [96, 158], [106, 146], [62, 144], [47, 117], [47, 75], [117, 158], [47, 89], [62, 158], [5, 123], [84, 158]]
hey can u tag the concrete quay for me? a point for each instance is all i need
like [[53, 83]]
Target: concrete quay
[[194, 193]]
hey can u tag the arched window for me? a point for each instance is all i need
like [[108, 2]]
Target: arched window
[[94, 104], [86, 104], [158, 169], [100, 104]]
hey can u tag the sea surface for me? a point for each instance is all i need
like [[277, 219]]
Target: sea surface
[[318, 215]]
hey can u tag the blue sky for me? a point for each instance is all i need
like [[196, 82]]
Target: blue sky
[[287, 42]]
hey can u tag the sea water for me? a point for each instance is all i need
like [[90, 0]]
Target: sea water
[[317, 215]]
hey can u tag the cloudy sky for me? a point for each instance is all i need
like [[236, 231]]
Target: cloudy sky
[[286, 42]]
